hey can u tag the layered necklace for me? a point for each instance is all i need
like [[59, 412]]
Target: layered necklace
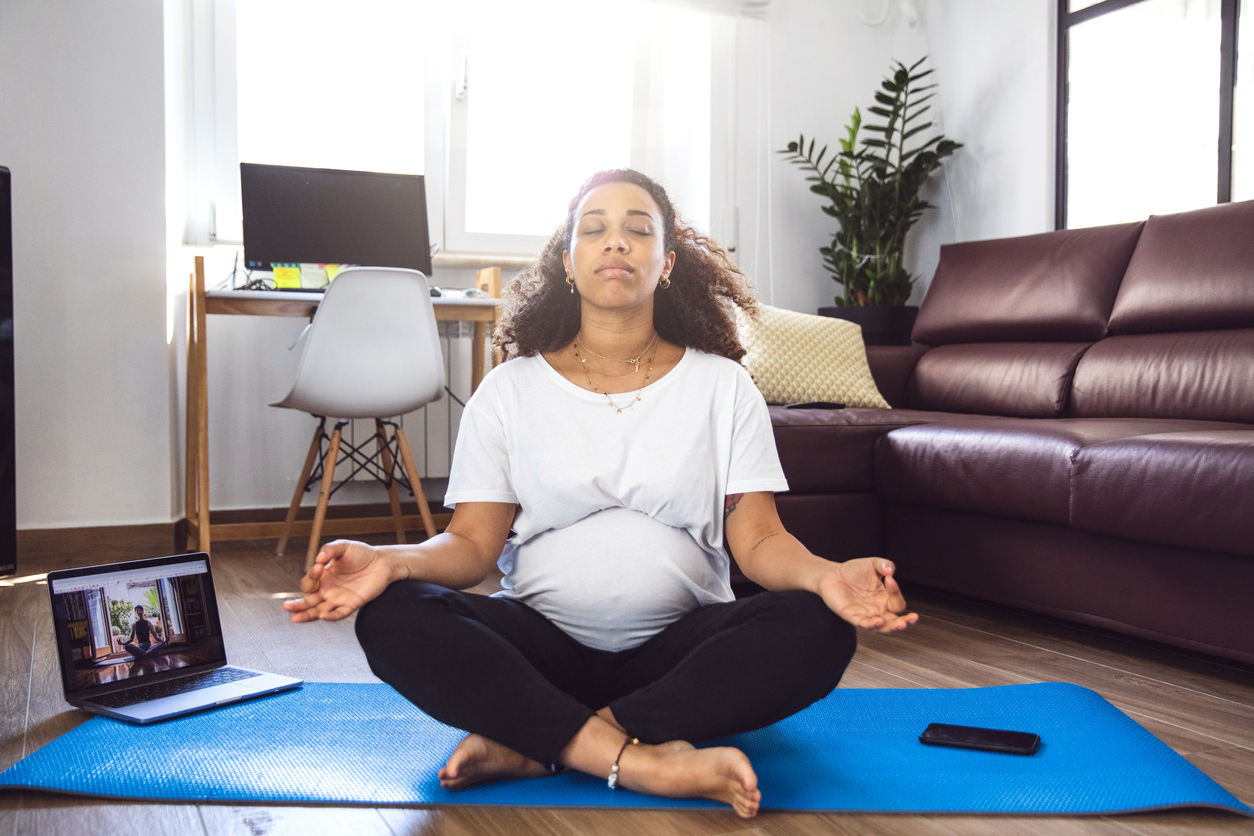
[[634, 361]]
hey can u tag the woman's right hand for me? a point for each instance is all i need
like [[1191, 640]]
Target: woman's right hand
[[345, 575]]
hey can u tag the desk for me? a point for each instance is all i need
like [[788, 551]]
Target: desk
[[200, 533]]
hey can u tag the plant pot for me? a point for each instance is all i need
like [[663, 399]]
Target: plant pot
[[881, 324]]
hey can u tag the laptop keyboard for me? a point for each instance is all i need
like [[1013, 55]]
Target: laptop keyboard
[[170, 687]]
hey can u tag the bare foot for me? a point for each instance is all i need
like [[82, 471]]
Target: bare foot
[[477, 759], [679, 770]]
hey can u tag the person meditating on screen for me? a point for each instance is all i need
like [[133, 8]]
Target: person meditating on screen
[[139, 643], [624, 445]]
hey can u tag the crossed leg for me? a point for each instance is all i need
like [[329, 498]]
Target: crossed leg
[[525, 690]]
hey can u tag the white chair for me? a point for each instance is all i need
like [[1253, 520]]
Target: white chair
[[372, 351]]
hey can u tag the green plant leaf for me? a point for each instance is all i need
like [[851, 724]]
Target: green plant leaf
[[916, 129]]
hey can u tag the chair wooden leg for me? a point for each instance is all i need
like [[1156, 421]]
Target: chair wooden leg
[[394, 496], [320, 514], [415, 482], [319, 433]]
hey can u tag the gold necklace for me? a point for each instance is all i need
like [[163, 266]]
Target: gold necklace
[[635, 362], [584, 364]]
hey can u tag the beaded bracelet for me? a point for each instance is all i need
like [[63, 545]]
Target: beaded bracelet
[[613, 779]]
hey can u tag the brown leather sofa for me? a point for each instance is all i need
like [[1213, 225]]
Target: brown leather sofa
[[1074, 433]]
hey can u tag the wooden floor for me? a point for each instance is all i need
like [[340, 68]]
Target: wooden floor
[[1202, 708]]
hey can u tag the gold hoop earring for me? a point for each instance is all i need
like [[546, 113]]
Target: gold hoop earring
[[570, 280], [665, 283]]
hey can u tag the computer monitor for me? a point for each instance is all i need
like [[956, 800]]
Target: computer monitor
[[329, 216]]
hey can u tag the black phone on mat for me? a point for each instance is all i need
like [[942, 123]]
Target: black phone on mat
[[985, 740]]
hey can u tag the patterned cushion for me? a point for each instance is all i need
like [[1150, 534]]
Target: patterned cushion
[[796, 357]]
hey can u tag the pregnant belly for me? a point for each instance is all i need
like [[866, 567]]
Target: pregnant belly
[[616, 577]]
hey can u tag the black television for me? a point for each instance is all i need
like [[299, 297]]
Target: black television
[[331, 216]]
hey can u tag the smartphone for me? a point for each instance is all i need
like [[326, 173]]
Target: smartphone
[[815, 405], [986, 740]]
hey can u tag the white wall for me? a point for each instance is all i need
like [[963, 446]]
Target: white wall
[[83, 130], [816, 60], [995, 64]]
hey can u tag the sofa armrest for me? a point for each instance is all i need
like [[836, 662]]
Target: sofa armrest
[[891, 366]]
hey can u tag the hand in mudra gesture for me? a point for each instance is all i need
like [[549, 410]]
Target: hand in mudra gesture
[[864, 593], [345, 575]]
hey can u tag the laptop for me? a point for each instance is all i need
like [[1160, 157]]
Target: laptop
[[141, 641]]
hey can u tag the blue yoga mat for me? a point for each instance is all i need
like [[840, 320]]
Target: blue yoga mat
[[856, 750]]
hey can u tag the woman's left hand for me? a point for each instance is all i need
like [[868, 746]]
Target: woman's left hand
[[864, 593]]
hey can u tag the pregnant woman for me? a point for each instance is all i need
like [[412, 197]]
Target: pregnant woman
[[608, 466]]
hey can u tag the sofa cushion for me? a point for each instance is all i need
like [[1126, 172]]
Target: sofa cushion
[[1009, 467], [1207, 375], [825, 450], [1191, 271], [1057, 286], [1028, 380], [1189, 489], [795, 357]]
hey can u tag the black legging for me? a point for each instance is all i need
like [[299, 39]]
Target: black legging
[[498, 668]]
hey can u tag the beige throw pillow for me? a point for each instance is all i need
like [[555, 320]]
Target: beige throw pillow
[[796, 357]]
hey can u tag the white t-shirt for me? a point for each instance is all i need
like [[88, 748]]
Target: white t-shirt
[[620, 524]]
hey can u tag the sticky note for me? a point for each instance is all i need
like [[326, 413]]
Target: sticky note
[[313, 276], [286, 275]]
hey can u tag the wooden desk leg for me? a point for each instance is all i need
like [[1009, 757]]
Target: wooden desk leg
[[489, 281], [202, 412], [190, 441], [476, 355]]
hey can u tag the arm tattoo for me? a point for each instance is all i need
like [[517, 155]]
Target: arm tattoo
[[729, 504], [763, 540]]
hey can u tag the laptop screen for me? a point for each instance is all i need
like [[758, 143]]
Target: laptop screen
[[135, 620]]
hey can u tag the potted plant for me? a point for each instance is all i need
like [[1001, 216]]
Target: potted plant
[[872, 188]]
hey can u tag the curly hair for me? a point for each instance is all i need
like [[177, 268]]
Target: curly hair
[[697, 310]]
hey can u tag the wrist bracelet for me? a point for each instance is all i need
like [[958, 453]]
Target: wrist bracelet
[[613, 779]]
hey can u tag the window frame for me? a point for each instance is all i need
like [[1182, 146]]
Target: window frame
[[1229, 11], [213, 164]]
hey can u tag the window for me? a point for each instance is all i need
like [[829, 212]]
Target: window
[[330, 85], [543, 100], [505, 107], [1145, 113]]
